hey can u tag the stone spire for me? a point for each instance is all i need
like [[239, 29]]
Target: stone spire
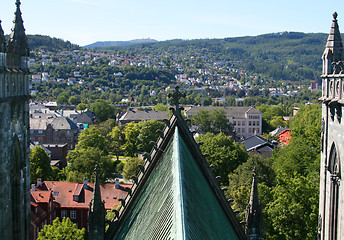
[[334, 48], [2, 40], [18, 46], [254, 215], [96, 215]]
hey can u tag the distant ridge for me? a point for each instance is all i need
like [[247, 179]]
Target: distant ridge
[[102, 44]]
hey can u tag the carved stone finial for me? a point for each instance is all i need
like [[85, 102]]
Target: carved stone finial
[[18, 3], [96, 169], [254, 171], [175, 97], [335, 15]]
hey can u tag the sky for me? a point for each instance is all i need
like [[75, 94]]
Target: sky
[[86, 21]]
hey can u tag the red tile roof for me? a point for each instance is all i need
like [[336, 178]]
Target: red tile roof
[[63, 193], [40, 196]]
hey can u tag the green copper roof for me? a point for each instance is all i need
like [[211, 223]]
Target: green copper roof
[[151, 216], [176, 201]]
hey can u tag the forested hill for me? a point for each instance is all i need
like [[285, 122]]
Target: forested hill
[[281, 56], [291, 56], [47, 43]]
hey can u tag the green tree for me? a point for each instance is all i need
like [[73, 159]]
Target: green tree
[[202, 120], [82, 162], [293, 211], [91, 150], [131, 133], [220, 122], [81, 106], [117, 141], [62, 98], [103, 110], [160, 107], [93, 137], [65, 230], [224, 154], [307, 125], [148, 133], [73, 100], [240, 182], [39, 164], [214, 122], [130, 168]]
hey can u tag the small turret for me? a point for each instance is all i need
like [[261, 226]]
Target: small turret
[[2, 40], [254, 215], [18, 48], [96, 215], [333, 52]]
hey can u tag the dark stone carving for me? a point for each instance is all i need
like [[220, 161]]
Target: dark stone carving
[[339, 112], [319, 226], [175, 98], [322, 134], [338, 67]]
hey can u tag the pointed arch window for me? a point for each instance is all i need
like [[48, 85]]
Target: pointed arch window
[[334, 169]]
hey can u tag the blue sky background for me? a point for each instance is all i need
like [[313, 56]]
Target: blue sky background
[[87, 21]]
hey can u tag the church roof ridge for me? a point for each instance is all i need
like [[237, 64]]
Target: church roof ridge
[[175, 124], [254, 211]]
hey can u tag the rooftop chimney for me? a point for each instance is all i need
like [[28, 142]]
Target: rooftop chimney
[[33, 187], [85, 183], [117, 183], [39, 182]]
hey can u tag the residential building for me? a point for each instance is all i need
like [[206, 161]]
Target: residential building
[[283, 135], [331, 202], [58, 154], [54, 131], [42, 210], [72, 199], [14, 132], [247, 121], [85, 117]]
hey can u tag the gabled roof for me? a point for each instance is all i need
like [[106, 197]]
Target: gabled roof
[[257, 142], [63, 123], [41, 196], [277, 131], [132, 115], [63, 193], [175, 196], [234, 112], [56, 123]]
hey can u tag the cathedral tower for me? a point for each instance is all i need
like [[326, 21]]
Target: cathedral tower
[[331, 202], [14, 133]]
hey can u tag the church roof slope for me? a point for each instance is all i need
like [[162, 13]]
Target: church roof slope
[[175, 196]]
